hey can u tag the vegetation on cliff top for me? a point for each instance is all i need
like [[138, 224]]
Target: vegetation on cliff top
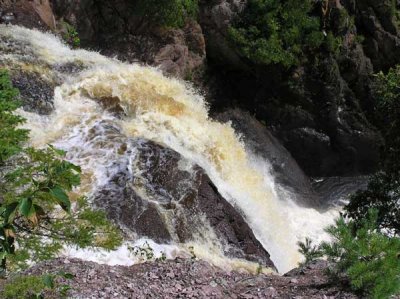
[[37, 216], [282, 32], [170, 13], [275, 31]]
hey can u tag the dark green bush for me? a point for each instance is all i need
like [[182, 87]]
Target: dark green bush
[[359, 253], [71, 36], [367, 257], [24, 287], [170, 13], [276, 31], [34, 286]]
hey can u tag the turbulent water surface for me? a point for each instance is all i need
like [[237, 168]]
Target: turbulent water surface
[[164, 110]]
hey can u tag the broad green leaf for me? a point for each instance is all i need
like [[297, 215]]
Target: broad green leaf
[[61, 197], [25, 207], [9, 213], [76, 168]]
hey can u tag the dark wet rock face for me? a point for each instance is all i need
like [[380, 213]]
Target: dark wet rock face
[[376, 21], [319, 111], [191, 279], [285, 169], [36, 93], [165, 198]]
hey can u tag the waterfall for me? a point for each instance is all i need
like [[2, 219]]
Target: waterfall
[[167, 111]]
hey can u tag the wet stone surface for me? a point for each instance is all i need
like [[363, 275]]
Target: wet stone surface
[[165, 200]]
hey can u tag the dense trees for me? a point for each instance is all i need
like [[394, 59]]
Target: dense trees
[[170, 13], [275, 31]]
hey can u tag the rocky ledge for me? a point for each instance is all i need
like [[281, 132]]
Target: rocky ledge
[[185, 278]]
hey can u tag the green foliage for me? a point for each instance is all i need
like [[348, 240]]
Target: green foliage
[[70, 35], [383, 192], [36, 212], [344, 21], [170, 13], [367, 257], [276, 31], [11, 137], [333, 43], [24, 287], [34, 286], [309, 251]]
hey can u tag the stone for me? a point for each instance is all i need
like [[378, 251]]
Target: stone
[[182, 195]]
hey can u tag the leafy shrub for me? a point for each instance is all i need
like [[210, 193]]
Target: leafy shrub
[[24, 287], [170, 13], [71, 36], [276, 31], [11, 137], [367, 258], [333, 43], [35, 210], [309, 251], [34, 286], [383, 192]]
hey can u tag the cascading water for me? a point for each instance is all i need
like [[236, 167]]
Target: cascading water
[[164, 110]]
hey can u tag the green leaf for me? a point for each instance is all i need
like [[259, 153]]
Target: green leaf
[[48, 281], [57, 151], [3, 254], [25, 207], [75, 167], [9, 213], [61, 197]]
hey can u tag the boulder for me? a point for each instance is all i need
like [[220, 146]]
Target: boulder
[[179, 52], [166, 199]]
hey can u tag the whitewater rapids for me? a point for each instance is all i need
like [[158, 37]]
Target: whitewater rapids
[[167, 111]]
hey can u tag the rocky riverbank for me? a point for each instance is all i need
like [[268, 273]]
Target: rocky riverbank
[[190, 279]]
